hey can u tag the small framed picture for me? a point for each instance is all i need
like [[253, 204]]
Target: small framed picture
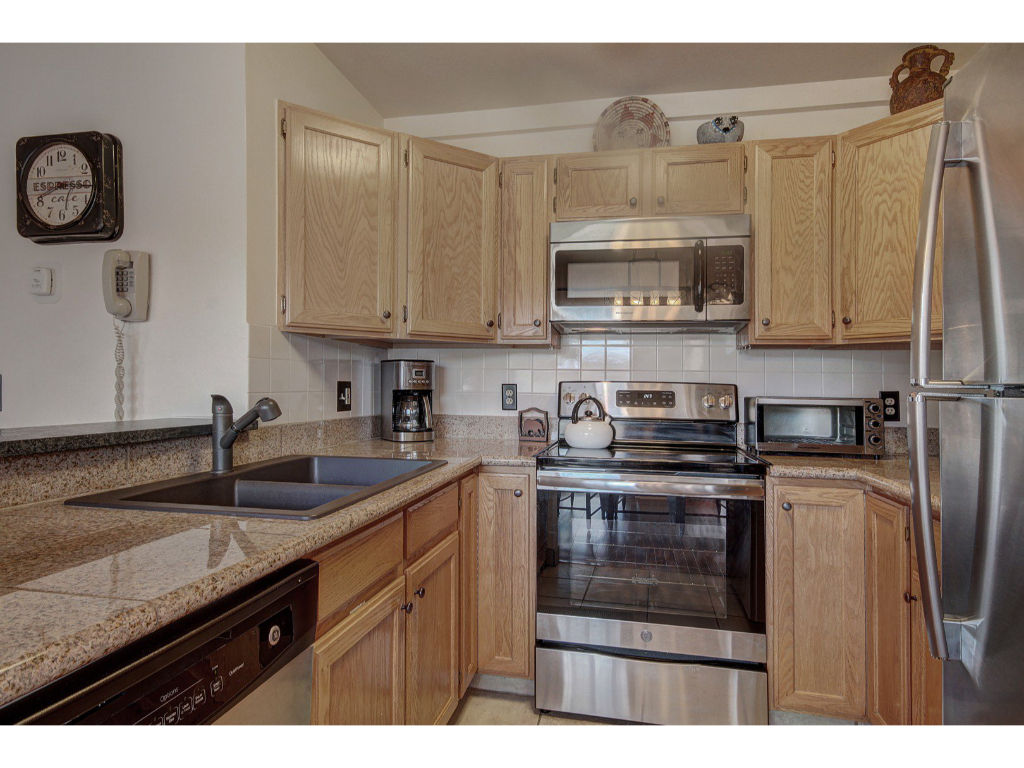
[[533, 425]]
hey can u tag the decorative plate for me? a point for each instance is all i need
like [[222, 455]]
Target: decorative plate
[[629, 123]]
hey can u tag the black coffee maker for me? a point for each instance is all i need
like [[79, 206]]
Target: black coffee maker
[[406, 394]]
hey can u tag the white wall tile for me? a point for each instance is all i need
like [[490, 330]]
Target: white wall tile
[[493, 379], [837, 384], [520, 358], [836, 361], [645, 358], [259, 341], [522, 379], [750, 360], [778, 360], [617, 358], [867, 361], [696, 359], [592, 357], [778, 384], [496, 358], [670, 358], [259, 373], [472, 380], [544, 382], [806, 361], [569, 358], [723, 358], [866, 384], [808, 384]]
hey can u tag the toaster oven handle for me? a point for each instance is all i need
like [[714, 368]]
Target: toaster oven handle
[[698, 276]]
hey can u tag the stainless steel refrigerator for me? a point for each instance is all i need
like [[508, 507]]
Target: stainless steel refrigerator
[[975, 609]]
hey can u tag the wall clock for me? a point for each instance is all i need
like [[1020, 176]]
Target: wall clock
[[70, 187]]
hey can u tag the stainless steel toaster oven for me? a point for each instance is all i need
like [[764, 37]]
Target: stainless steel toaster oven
[[822, 425]]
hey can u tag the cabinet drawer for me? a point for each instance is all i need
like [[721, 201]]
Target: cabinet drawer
[[354, 569], [431, 520]]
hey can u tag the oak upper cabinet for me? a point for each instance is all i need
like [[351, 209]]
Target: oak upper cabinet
[[505, 586], [432, 635], [599, 185], [468, 659], [706, 178], [879, 173], [452, 231], [816, 588], [792, 223], [525, 215], [336, 252], [359, 665]]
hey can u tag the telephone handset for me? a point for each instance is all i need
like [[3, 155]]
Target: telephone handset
[[126, 284]]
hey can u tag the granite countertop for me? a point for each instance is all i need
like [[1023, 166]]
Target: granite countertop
[[77, 583], [21, 441], [889, 477]]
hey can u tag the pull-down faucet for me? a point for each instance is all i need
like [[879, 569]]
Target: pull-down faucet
[[225, 433]]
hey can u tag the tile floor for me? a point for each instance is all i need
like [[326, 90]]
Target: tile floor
[[489, 708]]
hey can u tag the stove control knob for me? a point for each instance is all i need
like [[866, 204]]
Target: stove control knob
[[569, 398], [708, 401], [725, 402]]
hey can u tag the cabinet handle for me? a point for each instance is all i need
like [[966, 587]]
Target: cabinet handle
[[407, 607], [632, 202], [490, 323], [909, 598], [847, 320], [765, 321], [387, 314], [787, 506], [517, 493], [536, 323], [420, 592], [661, 200]]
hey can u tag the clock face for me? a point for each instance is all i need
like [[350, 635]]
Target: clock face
[[59, 185]]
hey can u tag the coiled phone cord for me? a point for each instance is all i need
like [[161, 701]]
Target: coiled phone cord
[[118, 370]]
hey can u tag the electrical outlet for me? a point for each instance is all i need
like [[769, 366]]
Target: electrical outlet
[[344, 396], [509, 399], [890, 404]]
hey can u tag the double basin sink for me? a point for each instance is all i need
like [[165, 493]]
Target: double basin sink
[[292, 487]]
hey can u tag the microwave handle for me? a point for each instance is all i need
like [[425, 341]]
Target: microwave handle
[[699, 268]]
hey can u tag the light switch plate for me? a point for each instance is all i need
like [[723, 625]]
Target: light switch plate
[[344, 396], [890, 404], [509, 399]]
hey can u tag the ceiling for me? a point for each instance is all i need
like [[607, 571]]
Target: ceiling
[[402, 79]]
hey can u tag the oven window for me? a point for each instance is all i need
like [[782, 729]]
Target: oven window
[[625, 277], [683, 561], [816, 424]]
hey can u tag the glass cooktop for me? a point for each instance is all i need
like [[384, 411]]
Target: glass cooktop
[[726, 459]]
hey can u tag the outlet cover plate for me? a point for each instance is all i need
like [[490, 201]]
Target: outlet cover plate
[[890, 404], [509, 399], [344, 396]]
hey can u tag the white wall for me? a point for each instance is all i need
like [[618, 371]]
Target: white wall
[[300, 372], [179, 111], [780, 111]]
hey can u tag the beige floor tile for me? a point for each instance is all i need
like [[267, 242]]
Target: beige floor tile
[[553, 718], [486, 708]]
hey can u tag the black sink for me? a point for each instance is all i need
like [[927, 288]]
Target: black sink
[[292, 487]]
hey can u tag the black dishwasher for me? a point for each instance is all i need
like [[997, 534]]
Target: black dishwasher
[[245, 659]]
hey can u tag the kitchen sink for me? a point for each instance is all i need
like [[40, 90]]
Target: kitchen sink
[[292, 487]]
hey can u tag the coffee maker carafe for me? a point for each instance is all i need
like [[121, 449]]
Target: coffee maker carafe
[[406, 388]]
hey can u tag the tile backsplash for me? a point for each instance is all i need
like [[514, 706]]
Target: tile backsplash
[[301, 373], [470, 378]]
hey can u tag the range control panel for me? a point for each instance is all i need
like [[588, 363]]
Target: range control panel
[[639, 398], [673, 401]]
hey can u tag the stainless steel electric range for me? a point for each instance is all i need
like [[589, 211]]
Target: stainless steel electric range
[[650, 583]]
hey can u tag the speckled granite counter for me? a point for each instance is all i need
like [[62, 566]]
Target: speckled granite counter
[[77, 583], [890, 477]]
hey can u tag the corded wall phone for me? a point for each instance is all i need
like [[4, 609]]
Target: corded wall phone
[[126, 284]]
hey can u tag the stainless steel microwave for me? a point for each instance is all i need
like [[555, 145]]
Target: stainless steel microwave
[[822, 425], [683, 273]]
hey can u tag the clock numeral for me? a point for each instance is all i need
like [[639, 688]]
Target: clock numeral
[[62, 155], [84, 167], [49, 159], [40, 171]]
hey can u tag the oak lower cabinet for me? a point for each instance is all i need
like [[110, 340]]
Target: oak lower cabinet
[[451, 242], [904, 680], [599, 185], [879, 175], [816, 586], [792, 228], [337, 197], [525, 216], [705, 178], [506, 579], [432, 635], [468, 570]]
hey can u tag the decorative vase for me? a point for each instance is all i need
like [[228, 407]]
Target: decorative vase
[[720, 129], [922, 84]]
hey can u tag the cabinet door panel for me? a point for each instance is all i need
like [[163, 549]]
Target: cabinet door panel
[[793, 240], [453, 241], [888, 565], [697, 179], [359, 666], [338, 225], [925, 669], [505, 582], [879, 173], [599, 185], [432, 635], [524, 249], [817, 593], [467, 582]]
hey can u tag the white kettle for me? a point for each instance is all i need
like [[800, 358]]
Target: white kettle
[[589, 431]]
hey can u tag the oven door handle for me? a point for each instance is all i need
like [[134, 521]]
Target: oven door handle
[[694, 486]]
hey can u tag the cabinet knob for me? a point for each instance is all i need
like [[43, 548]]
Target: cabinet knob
[[407, 607], [909, 598], [632, 202], [847, 320], [536, 323], [420, 592], [787, 506], [765, 321], [517, 493], [490, 323], [661, 200], [387, 314]]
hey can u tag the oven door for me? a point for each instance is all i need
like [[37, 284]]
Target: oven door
[[662, 565]]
